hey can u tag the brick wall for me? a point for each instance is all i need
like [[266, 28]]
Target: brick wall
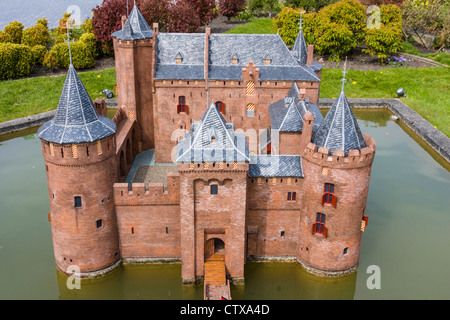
[[148, 219]]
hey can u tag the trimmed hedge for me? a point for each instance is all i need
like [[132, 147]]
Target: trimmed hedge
[[58, 56], [16, 60]]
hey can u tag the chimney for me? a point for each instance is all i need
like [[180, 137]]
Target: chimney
[[155, 29], [310, 57]]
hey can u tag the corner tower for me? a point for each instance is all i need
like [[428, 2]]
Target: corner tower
[[337, 161], [134, 57], [79, 153]]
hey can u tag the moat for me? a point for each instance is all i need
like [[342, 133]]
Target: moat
[[406, 236]]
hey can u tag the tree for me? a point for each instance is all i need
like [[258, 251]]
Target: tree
[[183, 18], [231, 8]]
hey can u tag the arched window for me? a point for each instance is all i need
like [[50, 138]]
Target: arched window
[[182, 106], [220, 106], [319, 226]]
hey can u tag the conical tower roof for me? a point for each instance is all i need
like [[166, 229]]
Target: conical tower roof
[[135, 27], [300, 49], [76, 120], [339, 130]]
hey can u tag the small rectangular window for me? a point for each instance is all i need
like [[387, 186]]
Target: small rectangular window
[[77, 202], [289, 196], [214, 189], [99, 223], [282, 233], [345, 250], [167, 230]]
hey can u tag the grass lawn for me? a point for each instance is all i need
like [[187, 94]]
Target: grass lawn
[[263, 25], [427, 89], [23, 97]]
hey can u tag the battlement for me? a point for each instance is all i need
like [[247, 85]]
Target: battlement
[[79, 154], [355, 158], [151, 194], [212, 166]]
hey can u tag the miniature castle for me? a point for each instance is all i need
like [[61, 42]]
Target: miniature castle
[[257, 172]]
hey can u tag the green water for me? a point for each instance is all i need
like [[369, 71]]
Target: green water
[[407, 236]]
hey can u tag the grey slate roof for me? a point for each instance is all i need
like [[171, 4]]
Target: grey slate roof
[[339, 130], [286, 114], [222, 49], [299, 49], [275, 166], [135, 27], [75, 120], [198, 145], [191, 46]]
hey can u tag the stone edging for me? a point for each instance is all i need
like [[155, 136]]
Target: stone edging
[[26, 122], [432, 136], [432, 62]]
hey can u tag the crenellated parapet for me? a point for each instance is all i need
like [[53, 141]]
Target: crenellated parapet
[[355, 158], [151, 194]]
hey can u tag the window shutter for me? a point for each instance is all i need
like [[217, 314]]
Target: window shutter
[[314, 228], [333, 201], [323, 198], [366, 220], [186, 109], [325, 231]]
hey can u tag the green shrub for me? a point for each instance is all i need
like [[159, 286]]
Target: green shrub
[[90, 40], [427, 16], [39, 52], [16, 60], [12, 33], [286, 24], [309, 4], [339, 28], [87, 25], [58, 56], [334, 30], [388, 37], [36, 35]]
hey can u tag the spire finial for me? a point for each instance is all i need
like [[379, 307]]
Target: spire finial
[[300, 22], [68, 42], [344, 73]]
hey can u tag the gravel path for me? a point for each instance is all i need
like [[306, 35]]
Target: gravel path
[[154, 174]]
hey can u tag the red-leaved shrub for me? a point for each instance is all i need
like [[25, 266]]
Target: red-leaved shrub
[[230, 8], [183, 18], [108, 19]]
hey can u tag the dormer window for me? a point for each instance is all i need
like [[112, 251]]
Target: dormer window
[[212, 135], [178, 57], [267, 59], [235, 59]]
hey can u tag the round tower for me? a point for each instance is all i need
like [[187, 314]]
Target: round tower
[[337, 162], [78, 147]]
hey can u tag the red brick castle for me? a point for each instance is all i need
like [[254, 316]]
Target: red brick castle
[[237, 159]]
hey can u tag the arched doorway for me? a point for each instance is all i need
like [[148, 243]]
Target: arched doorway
[[214, 249]]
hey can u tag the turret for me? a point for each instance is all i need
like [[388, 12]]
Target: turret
[[337, 163], [78, 146], [134, 58]]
